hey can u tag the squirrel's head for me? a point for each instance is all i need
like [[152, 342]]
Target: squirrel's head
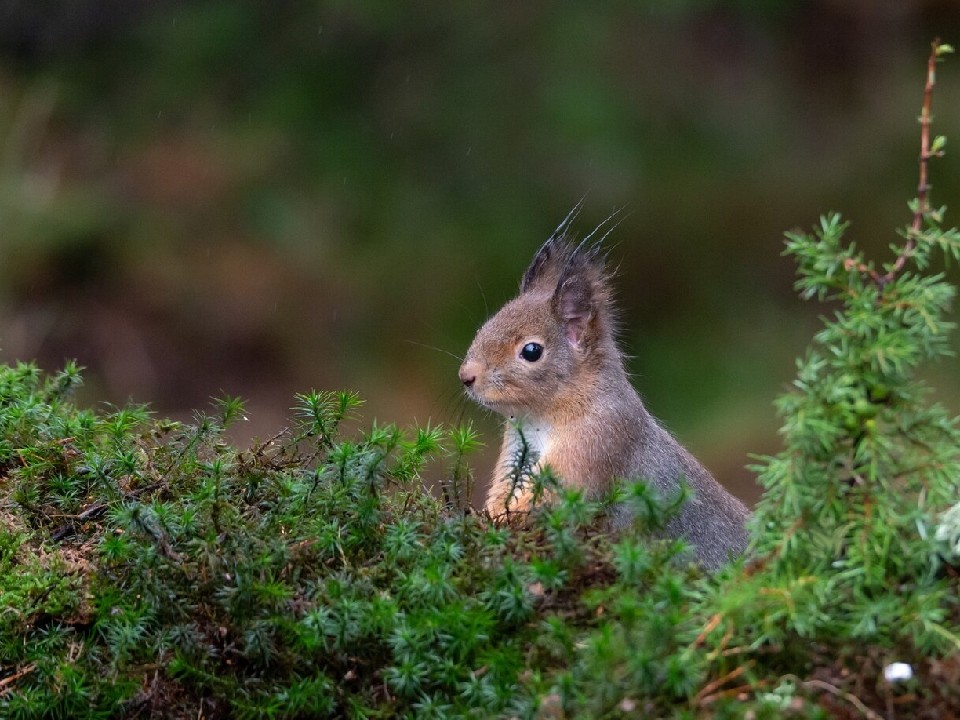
[[546, 350]]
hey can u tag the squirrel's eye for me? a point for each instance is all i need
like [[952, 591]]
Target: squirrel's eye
[[531, 352]]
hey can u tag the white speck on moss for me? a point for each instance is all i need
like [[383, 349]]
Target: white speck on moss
[[895, 672]]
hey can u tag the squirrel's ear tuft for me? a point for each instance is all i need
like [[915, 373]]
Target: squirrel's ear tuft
[[550, 258], [543, 266]]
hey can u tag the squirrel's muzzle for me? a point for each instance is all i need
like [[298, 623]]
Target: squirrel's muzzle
[[468, 373]]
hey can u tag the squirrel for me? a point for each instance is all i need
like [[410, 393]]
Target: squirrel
[[549, 362]]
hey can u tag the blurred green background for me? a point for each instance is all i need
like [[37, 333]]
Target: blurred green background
[[260, 198]]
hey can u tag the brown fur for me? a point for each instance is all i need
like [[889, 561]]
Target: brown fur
[[575, 405]]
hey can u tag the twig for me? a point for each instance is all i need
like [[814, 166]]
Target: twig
[[94, 512], [10, 679], [708, 628], [842, 694], [710, 692], [923, 203], [711, 687], [733, 692], [69, 528]]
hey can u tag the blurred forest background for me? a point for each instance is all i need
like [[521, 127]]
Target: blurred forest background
[[260, 198]]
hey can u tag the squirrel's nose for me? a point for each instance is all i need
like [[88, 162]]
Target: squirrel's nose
[[468, 374]]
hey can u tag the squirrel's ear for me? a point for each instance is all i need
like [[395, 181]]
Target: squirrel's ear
[[545, 266], [574, 304], [581, 299]]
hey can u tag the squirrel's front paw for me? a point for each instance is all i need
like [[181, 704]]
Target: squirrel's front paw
[[505, 500]]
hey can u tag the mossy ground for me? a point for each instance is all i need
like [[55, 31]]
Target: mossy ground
[[149, 568]]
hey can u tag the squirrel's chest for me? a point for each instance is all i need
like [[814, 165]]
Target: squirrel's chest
[[527, 442]]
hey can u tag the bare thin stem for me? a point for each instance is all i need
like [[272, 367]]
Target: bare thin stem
[[923, 187], [844, 695], [8, 681], [706, 693]]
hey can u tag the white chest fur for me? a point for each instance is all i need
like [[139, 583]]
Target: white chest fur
[[529, 437]]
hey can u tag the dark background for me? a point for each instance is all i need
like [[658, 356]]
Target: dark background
[[264, 198]]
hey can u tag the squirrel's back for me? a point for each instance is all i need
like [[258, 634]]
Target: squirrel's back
[[712, 520]]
